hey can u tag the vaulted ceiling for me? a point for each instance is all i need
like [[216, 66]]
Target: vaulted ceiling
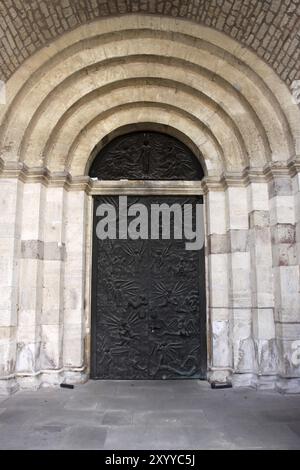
[[270, 27]]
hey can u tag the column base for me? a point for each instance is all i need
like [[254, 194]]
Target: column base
[[42, 379], [219, 375], [258, 382]]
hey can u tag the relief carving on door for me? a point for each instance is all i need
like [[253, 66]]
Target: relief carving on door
[[146, 155], [149, 309], [148, 296]]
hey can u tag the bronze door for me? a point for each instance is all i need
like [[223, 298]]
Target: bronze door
[[148, 304]]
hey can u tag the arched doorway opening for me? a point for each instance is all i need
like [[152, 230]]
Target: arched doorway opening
[[148, 292]]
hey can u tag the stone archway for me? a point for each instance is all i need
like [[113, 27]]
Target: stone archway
[[237, 113]]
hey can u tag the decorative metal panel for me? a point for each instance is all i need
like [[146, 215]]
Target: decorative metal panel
[[148, 305], [146, 156]]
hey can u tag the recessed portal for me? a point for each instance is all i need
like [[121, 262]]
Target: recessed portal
[[148, 295]]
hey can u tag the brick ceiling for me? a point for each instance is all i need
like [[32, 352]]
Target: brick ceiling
[[270, 27]]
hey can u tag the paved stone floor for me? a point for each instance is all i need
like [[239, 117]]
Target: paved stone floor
[[149, 415]]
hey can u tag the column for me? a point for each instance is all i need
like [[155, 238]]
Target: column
[[53, 275], [10, 221], [240, 301], [220, 347], [262, 284], [31, 285], [74, 291], [283, 194]]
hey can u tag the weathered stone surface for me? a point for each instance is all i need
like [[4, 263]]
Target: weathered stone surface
[[224, 105], [267, 359], [220, 335], [259, 218], [285, 254], [280, 187], [263, 325], [238, 240], [282, 210], [283, 233], [240, 330], [54, 251], [216, 205], [218, 243], [32, 249], [237, 208]]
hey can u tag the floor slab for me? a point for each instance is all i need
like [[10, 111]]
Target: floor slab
[[149, 415]]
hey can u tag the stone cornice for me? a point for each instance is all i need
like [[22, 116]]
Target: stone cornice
[[144, 187], [294, 165], [271, 171], [275, 170]]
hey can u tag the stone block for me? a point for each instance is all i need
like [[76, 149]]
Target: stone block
[[219, 314], [216, 204], [218, 280], [263, 289], [240, 280], [218, 243], [74, 294], [288, 386], [237, 208], [246, 356], [287, 286], [283, 233], [297, 228], [267, 358], [5, 317], [241, 330], [7, 356], [282, 210], [28, 333], [75, 236], [266, 382], [10, 214], [259, 218], [289, 355], [51, 346], [263, 323], [287, 314], [261, 248], [54, 251], [297, 206], [244, 380], [288, 331], [280, 187], [8, 308], [52, 293], [238, 240], [258, 197], [74, 316], [220, 376], [285, 255], [73, 341], [55, 207], [32, 249], [28, 357], [33, 207], [221, 344], [296, 183], [8, 229]]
